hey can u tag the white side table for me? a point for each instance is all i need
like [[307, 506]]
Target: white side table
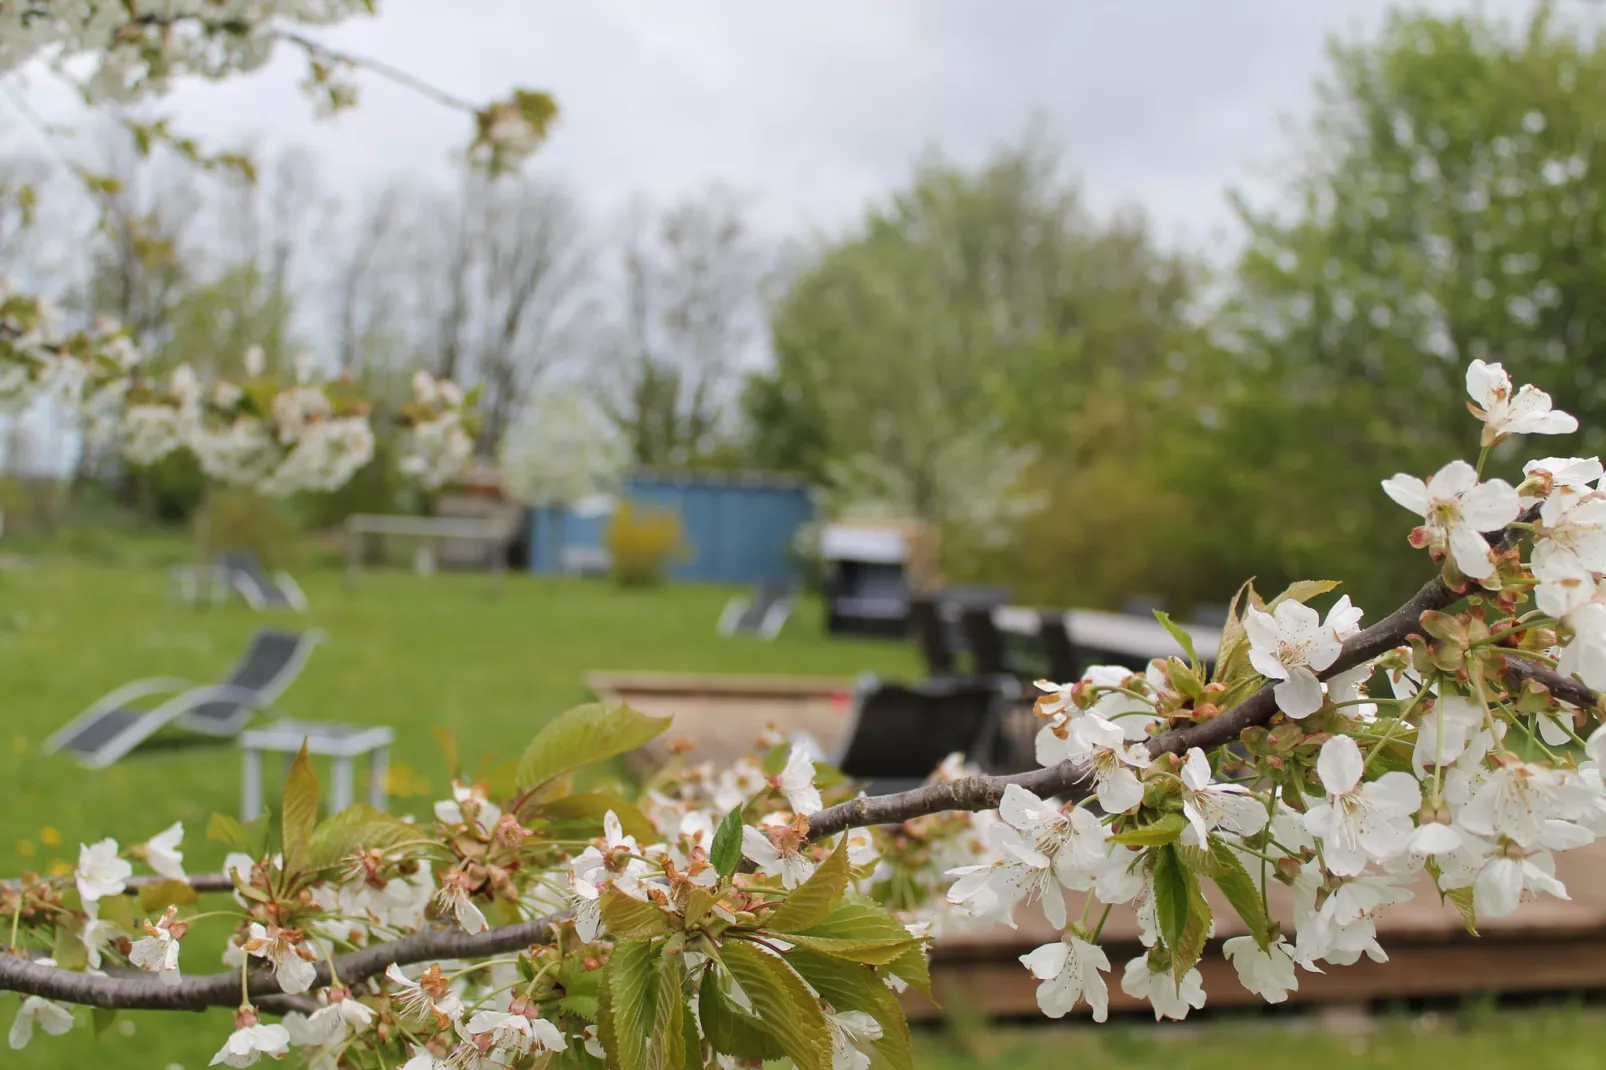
[[341, 743], [188, 584]]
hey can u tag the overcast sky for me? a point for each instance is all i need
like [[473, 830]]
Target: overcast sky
[[813, 109]]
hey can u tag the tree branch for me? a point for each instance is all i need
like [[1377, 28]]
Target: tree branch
[[17, 974], [985, 792]]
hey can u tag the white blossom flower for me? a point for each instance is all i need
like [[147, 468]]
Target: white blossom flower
[[780, 855], [1456, 509], [1360, 822], [96, 935], [518, 1034], [1500, 876], [423, 1059], [162, 853], [1166, 996], [1103, 746], [468, 803], [253, 361], [53, 1018], [157, 951], [100, 871], [1342, 926], [1269, 974], [428, 995], [1208, 805], [851, 1033], [291, 959], [249, 1043], [1525, 412], [1584, 656], [1070, 972], [330, 1024], [1521, 801], [1445, 731], [1041, 849], [797, 783], [1572, 528], [1291, 644]]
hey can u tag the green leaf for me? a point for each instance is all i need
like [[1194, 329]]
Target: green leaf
[[607, 1026], [631, 919], [726, 852], [1172, 887], [850, 987], [870, 952], [731, 1030], [1190, 947], [119, 910], [1180, 634], [590, 733], [340, 835], [1461, 899], [229, 832], [1167, 828], [593, 808], [1239, 889], [782, 1002], [1302, 591], [914, 970], [68, 950], [693, 1057], [155, 898], [811, 902], [102, 1019], [1232, 654], [774, 760], [860, 930], [668, 1050], [632, 1004], [299, 812]]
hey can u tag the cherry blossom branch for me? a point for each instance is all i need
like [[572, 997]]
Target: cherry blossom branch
[[203, 883], [985, 792], [18, 974]]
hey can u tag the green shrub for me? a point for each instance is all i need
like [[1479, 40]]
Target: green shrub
[[236, 519], [643, 543]]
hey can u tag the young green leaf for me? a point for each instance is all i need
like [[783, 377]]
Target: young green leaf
[[859, 930], [102, 1019], [1181, 635], [1173, 884], [1190, 947], [1239, 889], [299, 812], [1232, 654], [669, 1041], [631, 919], [632, 1003], [69, 951], [782, 1002], [850, 987], [339, 835], [229, 832], [1167, 828], [911, 966], [1302, 591], [590, 733], [811, 902], [155, 898], [592, 808], [726, 852], [731, 1030]]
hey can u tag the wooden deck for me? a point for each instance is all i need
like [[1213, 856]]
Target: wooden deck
[[1549, 945]]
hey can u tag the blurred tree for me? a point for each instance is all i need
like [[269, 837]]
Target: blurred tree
[[1449, 204], [983, 311]]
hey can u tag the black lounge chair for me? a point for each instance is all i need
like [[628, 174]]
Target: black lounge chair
[[117, 723], [934, 636], [243, 571], [762, 613], [901, 732]]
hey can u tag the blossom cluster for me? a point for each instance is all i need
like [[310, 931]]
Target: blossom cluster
[[442, 429]]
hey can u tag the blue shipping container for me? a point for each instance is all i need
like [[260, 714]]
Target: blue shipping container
[[737, 528]]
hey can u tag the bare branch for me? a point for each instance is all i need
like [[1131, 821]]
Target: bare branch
[[17, 974]]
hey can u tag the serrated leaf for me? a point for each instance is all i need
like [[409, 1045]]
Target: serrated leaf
[[68, 950], [726, 851], [155, 898], [782, 1003], [1190, 947], [1232, 654], [1462, 900], [1171, 896], [632, 1004], [915, 971], [607, 1027], [229, 832], [668, 1051], [1302, 591], [812, 901], [731, 1030], [869, 952], [593, 808], [1180, 634], [860, 930], [590, 733], [849, 987], [340, 835], [299, 812], [1167, 828], [1239, 889], [691, 1040], [631, 919]]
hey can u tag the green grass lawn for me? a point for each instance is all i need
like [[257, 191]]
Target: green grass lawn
[[411, 652]]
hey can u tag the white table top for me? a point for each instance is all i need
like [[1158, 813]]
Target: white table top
[[427, 526], [332, 740], [1116, 633]]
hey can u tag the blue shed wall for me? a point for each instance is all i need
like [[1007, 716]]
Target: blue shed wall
[[735, 531]]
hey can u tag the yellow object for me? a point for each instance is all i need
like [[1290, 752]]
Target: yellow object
[[643, 543], [49, 836], [26, 849]]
